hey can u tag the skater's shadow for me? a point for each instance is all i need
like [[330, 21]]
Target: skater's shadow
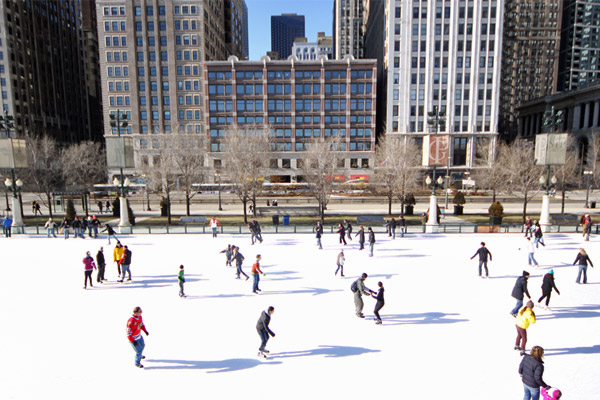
[[312, 291], [230, 365], [386, 276], [280, 275], [421, 318], [403, 255], [505, 277], [287, 242], [573, 350], [586, 311], [140, 283], [327, 351]]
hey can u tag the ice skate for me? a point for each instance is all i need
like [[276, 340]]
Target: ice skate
[[262, 354]]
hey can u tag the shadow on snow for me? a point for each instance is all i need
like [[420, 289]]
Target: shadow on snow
[[230, 365], [586, 311], [420, 318], [327, 351]]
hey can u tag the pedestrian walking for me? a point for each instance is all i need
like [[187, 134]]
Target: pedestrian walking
[[262, 327], [253, 236], [341, 259], [358, 288], [7, 225], [380, 303], [483, 254], [538, 234], [88, 268], [228, 255], [525, 317], [65, 226], [348, 229], [586, 224], [528, 227], [101, 265], [530, 248], [37, 208], [89, 226], [583, 259], [95, 226], [371, 241], [547, 285], [117, 254], [393, 225], [319, 234], [519, 291], [214, 224], [531, 371], [256, 274], [100, 206], [402, 223], [361, 237], [107, 206], [50, 226], [342, 232], [181, 280], [258, 230], [135, 326], [125, 264], [239, 258], [110, 232]]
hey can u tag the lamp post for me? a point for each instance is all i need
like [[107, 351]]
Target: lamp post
[[588, 175], [122, 186], [15, 186], [119, 157], [437, 122], [13, 154], [218, 182], [546, 183]]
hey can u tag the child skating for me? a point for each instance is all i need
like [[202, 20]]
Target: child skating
[[181, 280]]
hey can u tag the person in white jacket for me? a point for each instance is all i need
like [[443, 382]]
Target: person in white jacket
[[214, 223], [530, 248]]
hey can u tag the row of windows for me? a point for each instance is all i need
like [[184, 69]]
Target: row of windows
[[187, 55], [186, 24], [114, 26], [188, 70], [152, 71], [154, 100], [117, 71], [162, 26], [150, 40], [287, 120], [118, 86], [161, 10], [118, 100], [116, 56], [116, 41], [186, 40], [153, 86], [114, 11], [155, 115], [152, 56]]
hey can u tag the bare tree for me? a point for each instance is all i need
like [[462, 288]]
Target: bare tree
[[319, 168], [488, 173], [522, 175], [566, 174], [44, 174], [185, 156], [158, 170], [397, 163], [245, 157], [84, 164]]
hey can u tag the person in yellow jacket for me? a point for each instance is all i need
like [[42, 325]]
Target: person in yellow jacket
[[525, 317], [117, 255]]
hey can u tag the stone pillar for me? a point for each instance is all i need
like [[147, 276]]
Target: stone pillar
[[124, 224], [17, 224], [545, 214], [432, 225]]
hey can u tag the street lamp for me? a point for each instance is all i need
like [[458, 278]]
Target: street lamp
[[13, 155], [439, 182], [218, 182], [588, 175], [436, 122]]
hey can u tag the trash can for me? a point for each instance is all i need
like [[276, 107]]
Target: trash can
[[593, 204], [286, 220], [275, 219]]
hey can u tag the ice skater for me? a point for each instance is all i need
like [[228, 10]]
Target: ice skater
[[393, 224], [262, 326], [547, 285], [519, 291], [538, 234], [181, 280], [319, 234], [117, 254], [135, 326], [586, 224], [110, 232], [228, 255], [583, 259], [65, 225], [380, 303], [258, 230], [101, 262], [342, 232], [551, 394], [483, 253], [341, 259], [358, 288], [95, 223], [214, 224], [348, 229], [531, 371], [525, 317], [50, 227], [402, 223], [256, 274], [528, 225], [125, 264], [88, 267], [361, 237], [371, 241], [77, 228], [239, 258], [530, 248]]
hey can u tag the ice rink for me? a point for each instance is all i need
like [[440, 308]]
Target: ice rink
[[446, 333]]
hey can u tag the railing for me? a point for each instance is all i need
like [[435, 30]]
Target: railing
[[410, 229]]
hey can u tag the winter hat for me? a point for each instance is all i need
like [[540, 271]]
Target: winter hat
[[551, 272], [525, 273], [530, 304]]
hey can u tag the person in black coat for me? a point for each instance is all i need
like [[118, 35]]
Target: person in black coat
[[101, 265], [319, 234], [547, 286], [392, 232], [348, 229], [262, 327], [483, 253], [361, 237], [371, 241], [380, 303], [518, 291], [538, 235], [583, 259], [402, 223], [531, 370], [342, 231]]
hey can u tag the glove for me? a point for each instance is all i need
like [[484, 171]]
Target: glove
[[264, 274], [147, 333], [273, 335]]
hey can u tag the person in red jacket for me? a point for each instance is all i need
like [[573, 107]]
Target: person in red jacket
[[88, 267], [135, 326], [255, 274]]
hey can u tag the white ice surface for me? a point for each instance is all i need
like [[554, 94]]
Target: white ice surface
[[446, 332]]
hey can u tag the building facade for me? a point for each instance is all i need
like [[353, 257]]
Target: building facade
[[349, 26], [530, 55], [297, 101], [43, 69], [307, 51], [90, 34], [150, 61], [285, 28], [235, 15], [444, 57]]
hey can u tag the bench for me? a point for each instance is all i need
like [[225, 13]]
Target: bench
[[565, 219], [296, 211], [192, 220], [364, 219]]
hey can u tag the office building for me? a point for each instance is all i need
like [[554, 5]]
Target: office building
[[245, 26], [349, 25], [444, 57], [285, 29], [90, 35], [306, 51], [43, 69], [235, 16], [298, 101]]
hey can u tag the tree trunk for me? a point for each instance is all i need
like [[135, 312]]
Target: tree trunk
[[390, 197], [493, 195], [562, 202], [48, 196], [525, 208], [169, 208], [244, 203], [187, 203], [85, 204], [322, 212], [254, 205]]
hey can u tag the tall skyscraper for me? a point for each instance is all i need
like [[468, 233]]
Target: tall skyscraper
[[349, 24], [150, 60], [530, 54], [235, 14], [285, 28], [444, 57], [43, 69], [90, 34], [246, 38], [579, 62]]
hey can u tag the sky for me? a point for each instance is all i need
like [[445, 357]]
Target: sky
[[318, 16]]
